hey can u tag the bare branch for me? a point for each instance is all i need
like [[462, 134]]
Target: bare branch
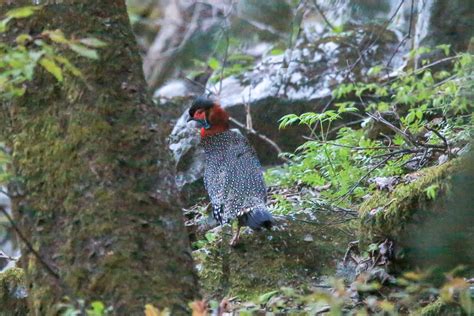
[[345, 195], [404, 38], [262, 137], [318, 8], [30, 247], [437, 133], [408, 138]]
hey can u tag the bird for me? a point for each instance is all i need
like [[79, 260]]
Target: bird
[[233, 174]]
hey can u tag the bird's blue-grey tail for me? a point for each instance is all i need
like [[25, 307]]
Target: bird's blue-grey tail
[[257, 218]]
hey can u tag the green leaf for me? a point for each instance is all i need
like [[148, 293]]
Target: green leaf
[[410, 118], [23, 38], [3, 24], [210, 236], [52, 68], [264, 298], [57, 36], [98, 309], [374, 70], [432, 191], [70, 67], [276, 51], [84, 51], [338, 29], [445, 48], [213, 63], [93, 42], [23, 12]]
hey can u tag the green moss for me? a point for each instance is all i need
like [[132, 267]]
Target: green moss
[[439, 307], [386, 214], [12, 290], [264, 261]]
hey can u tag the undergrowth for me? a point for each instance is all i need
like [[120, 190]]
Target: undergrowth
[[405, 123]]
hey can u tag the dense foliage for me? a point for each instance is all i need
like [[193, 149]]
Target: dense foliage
[[405, 122]]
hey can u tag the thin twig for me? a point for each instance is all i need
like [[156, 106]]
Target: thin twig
[[224, 61], [404, 38], [30, 247], [437, 133], [345, 195], [352, 245], [358, 60], [318, 8], [351, 147], [408, 138], [291, 45], [200, 85], [261, 136], [5, 193]]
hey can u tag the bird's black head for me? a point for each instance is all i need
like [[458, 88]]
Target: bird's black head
[[200, 103]]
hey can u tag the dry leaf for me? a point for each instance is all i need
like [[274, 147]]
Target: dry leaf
[[199, 308], [151, 310]]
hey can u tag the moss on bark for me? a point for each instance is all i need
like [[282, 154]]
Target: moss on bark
[[12, 293], [427, 232], [95, 186]]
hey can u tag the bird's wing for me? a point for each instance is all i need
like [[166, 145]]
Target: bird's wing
[[243, 183]]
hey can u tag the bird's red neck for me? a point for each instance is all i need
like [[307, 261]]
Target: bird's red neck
[[219, 121]]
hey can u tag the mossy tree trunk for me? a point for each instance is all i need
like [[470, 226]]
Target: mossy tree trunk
[[95, 190]]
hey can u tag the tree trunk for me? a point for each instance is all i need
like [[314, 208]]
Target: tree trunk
[[94, 188]]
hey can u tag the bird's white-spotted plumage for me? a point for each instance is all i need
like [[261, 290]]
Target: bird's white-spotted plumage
[[233, 176]]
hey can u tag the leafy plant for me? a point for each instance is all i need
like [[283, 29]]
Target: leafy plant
[[96, 308], [430, 111], [19, 61]]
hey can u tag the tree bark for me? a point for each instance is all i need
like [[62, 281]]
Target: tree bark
[[94, 188]]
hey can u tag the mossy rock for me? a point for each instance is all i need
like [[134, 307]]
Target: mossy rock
[[13, 293], [293, 255], [427, 231], [439, 307]]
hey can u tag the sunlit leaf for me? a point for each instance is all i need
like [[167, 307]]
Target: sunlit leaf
[[374, 70], [98, 309], [23, 38], [199, 308], [84, 51], [277, 51], [52, 68], [445, 48], [57, 36], [264, 298], [213, 63], [68, 66], [3, 24], [151, 310], [93, 42], [23, 12]]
